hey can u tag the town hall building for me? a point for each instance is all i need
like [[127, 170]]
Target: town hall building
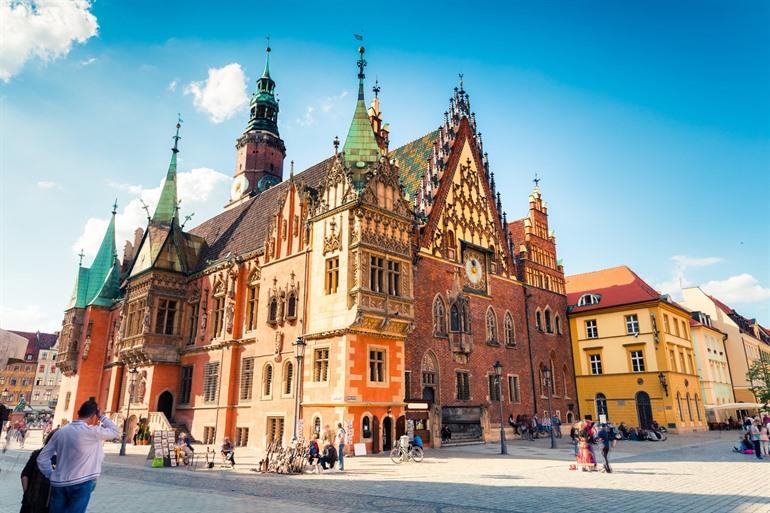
[[384, 288]]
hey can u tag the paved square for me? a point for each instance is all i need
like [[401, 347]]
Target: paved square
[[687, 473]]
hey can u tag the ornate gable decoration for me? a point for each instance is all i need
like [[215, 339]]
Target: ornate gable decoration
[[336, 188]]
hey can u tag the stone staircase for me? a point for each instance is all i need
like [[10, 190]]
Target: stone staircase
[[462, 439]]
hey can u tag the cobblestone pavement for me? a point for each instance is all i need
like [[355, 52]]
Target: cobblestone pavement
[[688, 473]]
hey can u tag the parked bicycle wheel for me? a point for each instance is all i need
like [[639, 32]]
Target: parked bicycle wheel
[[417, 454], [396, 455]]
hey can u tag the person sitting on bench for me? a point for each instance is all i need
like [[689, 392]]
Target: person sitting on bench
[[228, 452]]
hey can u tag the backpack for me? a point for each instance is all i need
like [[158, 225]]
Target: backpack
[[313, 451]]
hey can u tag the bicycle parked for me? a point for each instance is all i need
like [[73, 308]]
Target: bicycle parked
[[406, 451]]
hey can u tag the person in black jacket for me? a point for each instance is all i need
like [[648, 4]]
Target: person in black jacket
[[34, 484]]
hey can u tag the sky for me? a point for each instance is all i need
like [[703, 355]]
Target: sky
[[648, 122]]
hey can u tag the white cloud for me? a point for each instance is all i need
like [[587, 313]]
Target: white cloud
[[195, 188], [742, 288], [678, 279], [172, 85], [308, 119], [222, 94], [329, 102], [28, 318], [46, 184], [87, 62], [44, 29]]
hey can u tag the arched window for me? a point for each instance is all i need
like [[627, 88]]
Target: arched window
[[689, 407], [679, 406], [548, 321], [510, 335], [491, 326], [601, 406], [557, 322], [697, 407], [366, 427], [317, 425], [272, 310], [288, 377], [267, 381], [429, 370], [564, 381], [589, 299], [439, 316], [454, 318], [539, 320], [466, 317], [291, 306], [450, 242]]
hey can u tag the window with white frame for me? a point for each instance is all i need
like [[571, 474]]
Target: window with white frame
[[632, 324], [637, 360], [592, 330], [595, 361]]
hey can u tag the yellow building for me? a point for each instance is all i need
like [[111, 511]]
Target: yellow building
[[633, 355], [713, 366]]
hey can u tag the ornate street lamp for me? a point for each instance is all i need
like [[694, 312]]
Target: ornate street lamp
[[663, 382], [547, 378], [299, 353], [133, 372], [498, 367]]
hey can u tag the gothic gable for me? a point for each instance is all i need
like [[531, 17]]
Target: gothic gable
[[464, 210]]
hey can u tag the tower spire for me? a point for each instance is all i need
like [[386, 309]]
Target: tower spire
[[165, 212], [266, 72], [361, 146]]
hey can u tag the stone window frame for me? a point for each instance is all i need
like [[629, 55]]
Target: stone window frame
[[385, 371], [288, 378], [267, 382], [490, 322], [440, 323], [509, 329]]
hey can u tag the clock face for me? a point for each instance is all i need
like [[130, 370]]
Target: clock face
[[474, 270], [240, 184]]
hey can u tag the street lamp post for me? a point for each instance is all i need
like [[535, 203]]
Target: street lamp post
[[498, 367], [123, 437], [299, 352], [547, 376]]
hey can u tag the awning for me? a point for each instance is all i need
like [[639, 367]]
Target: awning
[[735, 406]]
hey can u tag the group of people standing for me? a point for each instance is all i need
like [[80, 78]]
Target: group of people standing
[[585, 434], [756, 436]]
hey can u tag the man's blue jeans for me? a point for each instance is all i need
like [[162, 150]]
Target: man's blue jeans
[[341, 455], [71, 499]]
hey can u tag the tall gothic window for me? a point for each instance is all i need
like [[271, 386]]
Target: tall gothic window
[[291, 306], [288, 377], [394, 278], [165, 317], [252, 304], [272, 310], [491, 326], [548, 321], [267, 381], [454, 318], [510, 336], [439, 316], [219, 315], [193, 327]]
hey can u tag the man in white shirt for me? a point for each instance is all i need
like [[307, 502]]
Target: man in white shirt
[[78, 450]]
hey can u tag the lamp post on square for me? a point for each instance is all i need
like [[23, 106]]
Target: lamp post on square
[[133, 372], [299, 353], [547, 377], [498, 367]]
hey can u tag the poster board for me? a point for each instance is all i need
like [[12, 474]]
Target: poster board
[[359, 449], [163, 447]]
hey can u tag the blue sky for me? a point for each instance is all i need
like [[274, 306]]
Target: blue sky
[[649, 123]]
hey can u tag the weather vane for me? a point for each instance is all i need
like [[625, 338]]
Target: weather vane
[[268, 42], [115, 207], [81, 255], [376, 88], [461, 75], [536, 180], [187, 218], [146, 209]]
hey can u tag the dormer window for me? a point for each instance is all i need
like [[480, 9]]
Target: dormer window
[[589, 299]]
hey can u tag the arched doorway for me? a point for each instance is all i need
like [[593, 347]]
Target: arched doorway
[[375, 435], [644, 409], [400, 426], [387, 434], [166, 404]]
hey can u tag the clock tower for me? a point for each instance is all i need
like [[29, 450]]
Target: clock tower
[[260, 151]]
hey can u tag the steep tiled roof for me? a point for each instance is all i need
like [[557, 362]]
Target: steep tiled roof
[[616, 286], [243, 228], [745, 324], [412, 160], [516, 230], [37, 341]]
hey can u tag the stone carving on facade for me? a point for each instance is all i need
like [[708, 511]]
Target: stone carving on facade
[[147, 316], [278, 345], [140, 388]]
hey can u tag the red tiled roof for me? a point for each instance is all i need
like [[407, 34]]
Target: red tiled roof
[[37, 341], [616, 286]]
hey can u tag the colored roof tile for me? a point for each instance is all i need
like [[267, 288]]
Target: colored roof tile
[[616, 286]]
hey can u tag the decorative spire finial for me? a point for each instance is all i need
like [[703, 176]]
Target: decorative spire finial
[[361, 63], [376, 88], [461, 75], [266, 72], [115, 207], [176, 137], [81, 255], [537, 181], [336, 144], [291, 169]]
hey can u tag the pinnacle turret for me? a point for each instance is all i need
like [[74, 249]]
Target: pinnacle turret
[[361, 146], [166, 211]]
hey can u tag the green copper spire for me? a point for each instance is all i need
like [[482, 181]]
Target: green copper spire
[[266, 73], [100, 283], [361, 145], [165, 212], [263, 108]]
